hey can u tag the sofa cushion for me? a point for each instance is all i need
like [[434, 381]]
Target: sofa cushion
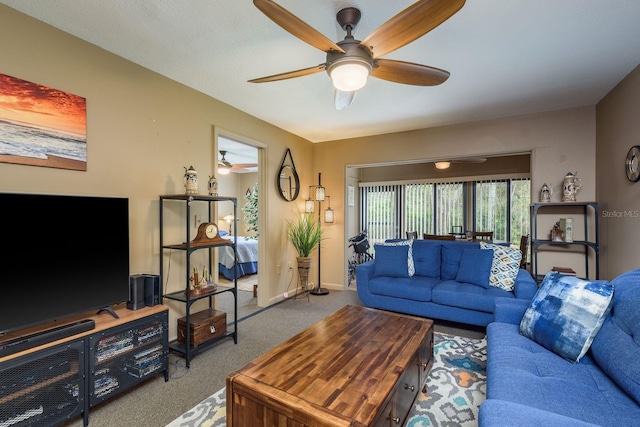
[[467, 295], [391, 261], [616, 348], [426, 258], [566, 313], [414, 288], [408, 243], [505, 267], [475, 267], [522, 371], [451, 256]]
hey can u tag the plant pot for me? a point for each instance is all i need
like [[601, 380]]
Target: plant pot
[[304, 264]]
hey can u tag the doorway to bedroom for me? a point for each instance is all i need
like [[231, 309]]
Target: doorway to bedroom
[[238, 176]]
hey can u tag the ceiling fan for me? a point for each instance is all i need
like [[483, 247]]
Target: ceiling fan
[[225, 166], [349, 62]]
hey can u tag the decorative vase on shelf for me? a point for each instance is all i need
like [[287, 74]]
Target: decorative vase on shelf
[[570, 186], [213, 186], [545, 193], [190, 180]]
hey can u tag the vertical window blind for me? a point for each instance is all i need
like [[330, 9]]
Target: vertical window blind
[[419, 213], [449, 207], [501, 206]]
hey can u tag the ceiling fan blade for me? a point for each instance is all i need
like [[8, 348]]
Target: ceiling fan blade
[[343, 99], [410, 24], [290, 74], [470, 160], [296, 26], [244, 165], [408, 73]]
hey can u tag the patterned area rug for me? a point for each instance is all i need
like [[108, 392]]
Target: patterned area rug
[[456, 388]]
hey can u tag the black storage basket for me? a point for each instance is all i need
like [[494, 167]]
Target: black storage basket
[[360, 243]]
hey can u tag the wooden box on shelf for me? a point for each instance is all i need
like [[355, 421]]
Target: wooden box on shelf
[[204, 325]]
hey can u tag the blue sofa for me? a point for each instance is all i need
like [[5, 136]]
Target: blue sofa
[[528, 385], [435, 291]]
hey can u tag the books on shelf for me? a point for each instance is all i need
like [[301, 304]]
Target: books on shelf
[[566, 227], [567, 271]]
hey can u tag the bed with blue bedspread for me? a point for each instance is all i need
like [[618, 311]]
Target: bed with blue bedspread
[[247, 258]]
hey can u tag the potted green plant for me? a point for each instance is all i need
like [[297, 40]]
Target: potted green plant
[[305, 234]]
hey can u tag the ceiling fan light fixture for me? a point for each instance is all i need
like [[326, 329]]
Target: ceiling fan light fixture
[[443, 165], [223, 170], [349, 75]]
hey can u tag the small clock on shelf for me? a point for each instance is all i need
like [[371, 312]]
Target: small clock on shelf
[[208, 234]]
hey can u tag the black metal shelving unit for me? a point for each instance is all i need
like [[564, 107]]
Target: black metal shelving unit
[[184, 295], [589, 244]]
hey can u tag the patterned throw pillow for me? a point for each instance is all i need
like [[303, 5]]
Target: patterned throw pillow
[[410, 265], [505, 266], [566, 314]]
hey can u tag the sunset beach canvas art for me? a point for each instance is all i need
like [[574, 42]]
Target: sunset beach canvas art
[[41, 126]]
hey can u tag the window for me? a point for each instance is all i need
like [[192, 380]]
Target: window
[[490, 208], [380, 212], [449, 207], [501, 206], [418, 214]]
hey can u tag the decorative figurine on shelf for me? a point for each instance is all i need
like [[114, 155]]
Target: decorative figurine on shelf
[[213, 186], [190, 180], [545, 193], [557, 235], [571, 185]]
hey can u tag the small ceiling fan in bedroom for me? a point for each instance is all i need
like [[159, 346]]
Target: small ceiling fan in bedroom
[[349, 62], [224, 166]]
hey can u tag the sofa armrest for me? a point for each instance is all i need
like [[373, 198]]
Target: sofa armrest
[[525, 287], [495, 412], [509, 310], [364, 273]]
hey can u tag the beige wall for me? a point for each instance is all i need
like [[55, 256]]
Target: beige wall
[[618, 129], [142, 129], [559, 142]]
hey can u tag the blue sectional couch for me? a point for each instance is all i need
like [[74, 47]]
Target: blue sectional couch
[[439, 288], [529, 385]]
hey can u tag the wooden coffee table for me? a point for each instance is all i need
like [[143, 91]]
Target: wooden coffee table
[[357, 367]]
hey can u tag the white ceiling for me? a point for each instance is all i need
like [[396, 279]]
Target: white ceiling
[[506, 57]]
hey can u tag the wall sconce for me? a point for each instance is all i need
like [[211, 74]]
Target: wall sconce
[[328, 213]]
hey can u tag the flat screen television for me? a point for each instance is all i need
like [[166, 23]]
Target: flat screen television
[[62, 255]]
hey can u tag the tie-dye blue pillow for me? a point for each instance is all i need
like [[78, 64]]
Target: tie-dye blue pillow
[[566, 314]]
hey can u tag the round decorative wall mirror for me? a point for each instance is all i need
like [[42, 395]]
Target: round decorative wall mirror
[[287, 181]]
